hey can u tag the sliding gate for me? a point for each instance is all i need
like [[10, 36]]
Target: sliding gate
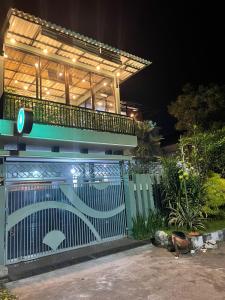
[[43, 219]]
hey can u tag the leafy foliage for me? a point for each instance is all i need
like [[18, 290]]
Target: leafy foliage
[[144, 228], [187, 216], [148, 141], [203, 106], [6, 295], [184, 191], [215, 196], [206, 151]]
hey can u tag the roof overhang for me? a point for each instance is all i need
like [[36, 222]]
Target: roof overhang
[[79, 50]]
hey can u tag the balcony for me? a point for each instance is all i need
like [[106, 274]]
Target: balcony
[[58, 114]]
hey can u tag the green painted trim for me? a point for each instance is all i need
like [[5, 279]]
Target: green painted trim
[[71, 155], [2, 225], [74, 135], [4, 153]]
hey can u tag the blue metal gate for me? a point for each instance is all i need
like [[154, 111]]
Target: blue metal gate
[[43, 219]]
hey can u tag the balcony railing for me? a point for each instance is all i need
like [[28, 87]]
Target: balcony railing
[[54, 113]]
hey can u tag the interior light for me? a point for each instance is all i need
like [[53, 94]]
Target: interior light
[[74, 60], [12, 40], [60, 74], [83, 80], [16, 81], [110, 104], [131, 115], [103, 95], [74, 97], [47, 92], [45, 89], [25, 87], [45, 51], [98, 67], [105, 83], [118, 74]]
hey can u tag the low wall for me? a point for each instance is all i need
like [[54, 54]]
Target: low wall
[[198, 242]]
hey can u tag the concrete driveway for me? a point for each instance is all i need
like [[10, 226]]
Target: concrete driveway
[[142, 273]]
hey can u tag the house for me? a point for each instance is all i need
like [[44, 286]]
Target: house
[[64, 144]]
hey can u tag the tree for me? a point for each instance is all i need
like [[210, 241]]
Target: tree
[[148, 141], [203, 106]]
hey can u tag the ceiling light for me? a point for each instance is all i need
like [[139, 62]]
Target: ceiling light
[[110, 104], [104, 95], [36, 65], [60, 74], [45, 89], [16, 81], [118, 74], [100, 103], [5, 55], [105, 83], [74, 60], [83, 80], [98, 67], [74, 97], [47, 92], [45, 51], [25, 87], [12, 40]]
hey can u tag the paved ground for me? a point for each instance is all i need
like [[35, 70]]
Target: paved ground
[[142, 273]]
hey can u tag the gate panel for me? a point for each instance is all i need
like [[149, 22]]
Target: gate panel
[[43, 219]]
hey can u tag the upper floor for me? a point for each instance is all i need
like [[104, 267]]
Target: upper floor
[[67, 79]]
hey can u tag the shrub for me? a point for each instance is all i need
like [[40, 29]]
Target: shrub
[[215, 196], [144, 228]]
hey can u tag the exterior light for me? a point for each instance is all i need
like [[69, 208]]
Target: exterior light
[[98, 68], [131, 115], [60, 74], [45, 51], [24, 122], [73, 171], [118, 74], [25, 87], [16, 81], [12, 40]]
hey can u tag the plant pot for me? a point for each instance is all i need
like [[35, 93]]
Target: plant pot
[[193, 234]]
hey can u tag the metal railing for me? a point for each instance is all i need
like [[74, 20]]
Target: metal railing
[[55, 113]]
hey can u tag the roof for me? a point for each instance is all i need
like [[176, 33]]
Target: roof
[[31, 30]]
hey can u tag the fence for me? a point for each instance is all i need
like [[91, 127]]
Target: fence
[[54, 113], [43, 219], [139, 197]]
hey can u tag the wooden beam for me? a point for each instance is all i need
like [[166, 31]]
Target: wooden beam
[[58, 59]]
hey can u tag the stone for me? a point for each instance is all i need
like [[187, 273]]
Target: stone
[[161, 238], [3, 271]]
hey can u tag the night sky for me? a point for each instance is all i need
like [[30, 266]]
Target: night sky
[[183, 39]]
